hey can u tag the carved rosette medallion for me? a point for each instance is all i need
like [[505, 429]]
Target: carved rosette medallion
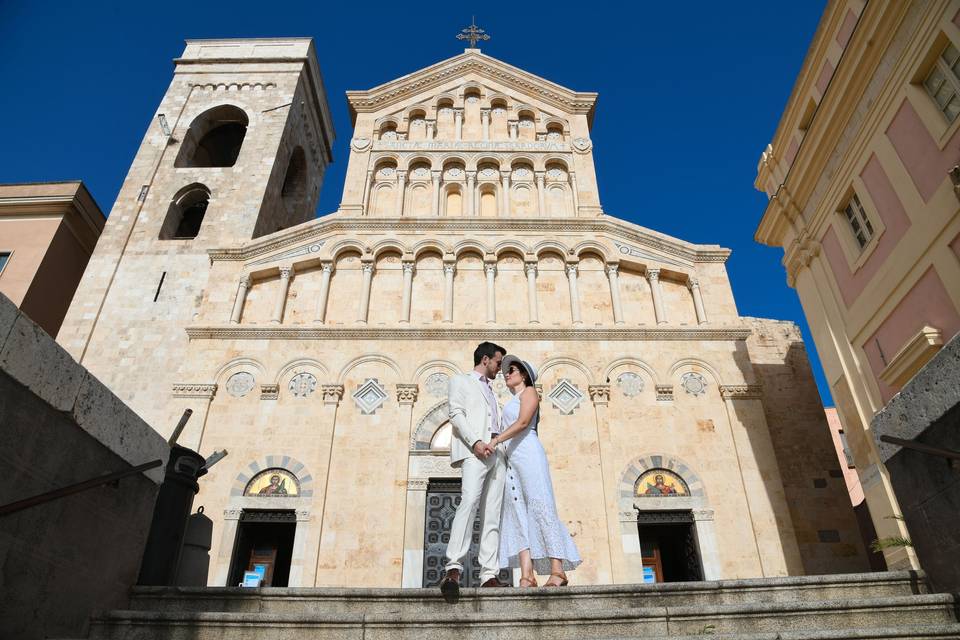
[[581, 145], [630, 384], [436, 384], [240, 384], [302, 385], [693, 383], [359, 144]]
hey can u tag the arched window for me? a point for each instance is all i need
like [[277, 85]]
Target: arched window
[[441, 438], [388, 131], [185, 213], [214, 138], [527, 126], [454, 205], [295, 182]]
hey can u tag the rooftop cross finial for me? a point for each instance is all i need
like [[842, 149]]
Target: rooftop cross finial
[[472, 33]]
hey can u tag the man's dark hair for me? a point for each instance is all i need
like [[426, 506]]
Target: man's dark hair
[[488, 349]]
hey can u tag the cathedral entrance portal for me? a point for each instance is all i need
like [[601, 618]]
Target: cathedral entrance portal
[[668, 546], [443, 496], [264, 543]]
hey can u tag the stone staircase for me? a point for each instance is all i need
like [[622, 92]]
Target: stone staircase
[[872, 605]]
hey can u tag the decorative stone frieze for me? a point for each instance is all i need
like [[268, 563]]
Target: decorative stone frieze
[[565, 397], [370, 396], [185, 390]]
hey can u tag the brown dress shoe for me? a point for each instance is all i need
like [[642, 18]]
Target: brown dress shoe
[[450, 585], [494, 582]]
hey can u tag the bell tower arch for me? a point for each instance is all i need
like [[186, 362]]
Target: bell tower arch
[[236, 150]]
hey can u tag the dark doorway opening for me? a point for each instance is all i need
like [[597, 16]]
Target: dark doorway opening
[[264, 542], [668, 546], [443, 496]]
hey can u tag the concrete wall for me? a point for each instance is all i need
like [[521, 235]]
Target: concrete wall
[[59, 426]]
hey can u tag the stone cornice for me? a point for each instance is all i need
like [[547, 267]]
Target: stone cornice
[[877, 26], [735, 391], [194, 390], [471, 62], [300, 332], [469, 226]]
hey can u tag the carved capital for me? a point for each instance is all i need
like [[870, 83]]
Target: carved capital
[[572, 270], [367, 267], [407, 393], [664, 392], [599, 393], [741, 391], [653, 275], [490, 268], [245, 281], [286, 272], [409, 267], [612, 269], [693, 283], [449, 268], [187, 390], [269, 391], [327, 267], [417, 484], [332, 393], [530, 268]]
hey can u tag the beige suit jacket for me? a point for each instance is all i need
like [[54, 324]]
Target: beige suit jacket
[[470, 415]]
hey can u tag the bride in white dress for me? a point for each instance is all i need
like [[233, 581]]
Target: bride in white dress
[[532, 536]]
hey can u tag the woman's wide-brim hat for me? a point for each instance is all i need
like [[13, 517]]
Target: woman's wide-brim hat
[[510, 360]]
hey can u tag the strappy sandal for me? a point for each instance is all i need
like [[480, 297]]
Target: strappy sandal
[[530, 582], [559, 576]]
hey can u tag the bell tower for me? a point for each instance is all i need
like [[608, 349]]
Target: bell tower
[[236, 150]]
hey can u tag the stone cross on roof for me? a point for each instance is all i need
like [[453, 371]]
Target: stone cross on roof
[[472, 33]]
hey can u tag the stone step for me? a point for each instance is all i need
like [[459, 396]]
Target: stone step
[[462, 624], [908, 632], [615, 597]]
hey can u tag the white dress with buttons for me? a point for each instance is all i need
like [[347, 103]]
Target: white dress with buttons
[[529, 518]]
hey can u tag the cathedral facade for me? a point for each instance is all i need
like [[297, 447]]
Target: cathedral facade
[[685, 441]]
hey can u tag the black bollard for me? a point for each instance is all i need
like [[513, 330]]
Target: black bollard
[[170, 513]]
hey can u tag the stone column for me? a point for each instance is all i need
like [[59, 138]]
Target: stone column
[[614, 278], [471, 193], [365, 291], [574, 294], [242, 287], [653, 276], [327, 271], [458, 124], [531, 269], [576, 193], [401, 187], [505, 189], [513, 125], [281, 302], [694, 285], [407, 291], [366, 191], [541, 193], [430, 127], [485, 123], [332, 394], [491, 270], [449, 268], [435, 206], [600, 396]]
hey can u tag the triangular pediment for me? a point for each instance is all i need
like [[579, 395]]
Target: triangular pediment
[[472, 62]]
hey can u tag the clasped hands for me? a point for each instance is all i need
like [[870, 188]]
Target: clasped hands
[[483, 450]]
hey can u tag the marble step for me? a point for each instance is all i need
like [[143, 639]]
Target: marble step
[[335, 601], [908, 632], [461, 624]]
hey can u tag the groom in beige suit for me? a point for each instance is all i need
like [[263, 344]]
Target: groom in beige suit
[[475, 419]]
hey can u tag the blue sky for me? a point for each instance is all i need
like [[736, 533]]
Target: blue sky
[[690, 94]]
